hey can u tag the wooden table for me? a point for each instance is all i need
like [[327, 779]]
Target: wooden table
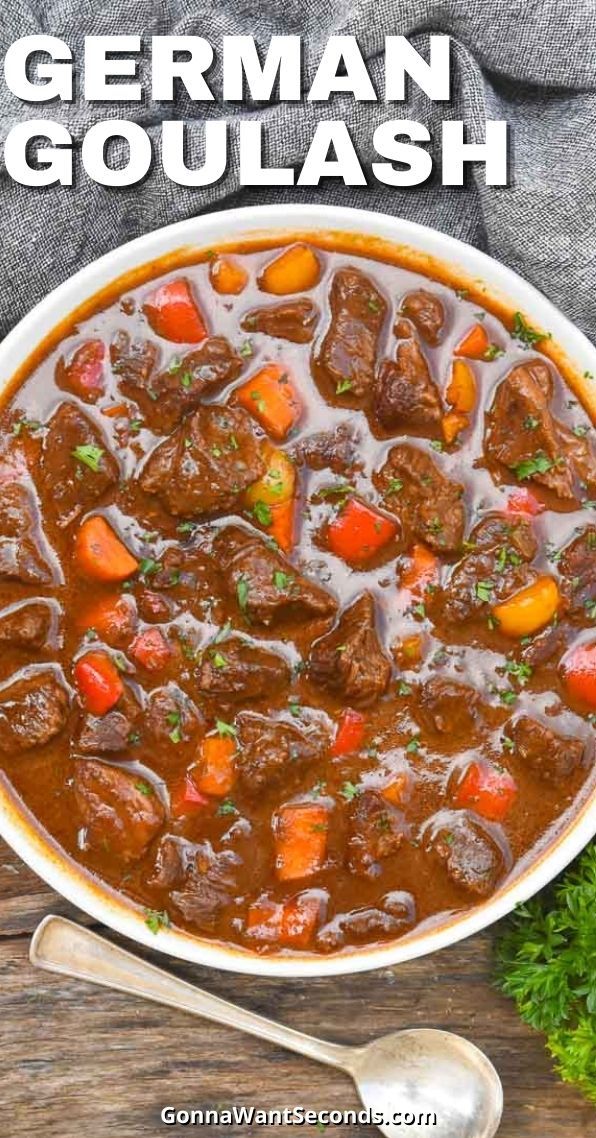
[[77, 1060]]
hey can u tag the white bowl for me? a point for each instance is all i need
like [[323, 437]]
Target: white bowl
[[424, 250]]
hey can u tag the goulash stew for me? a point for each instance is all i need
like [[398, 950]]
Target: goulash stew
[[298, 598]]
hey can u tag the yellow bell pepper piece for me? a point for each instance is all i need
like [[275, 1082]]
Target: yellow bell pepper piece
[[530, 609]]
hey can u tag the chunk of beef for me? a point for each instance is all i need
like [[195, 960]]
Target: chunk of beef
[[134, 362], [237, 669], [33, 709], [118, 815], [447, 707], [349, 350], [166, 397], [429, 506], [154, 608], [426, 312], [550, 756], [348, 660], [26, 625], [577, 567], [205, 466], [293, 320], [266, 586], [547, 646], [376, 831], [103, 734], [206, 879], [406, 395], [23, 545], [337, 450], [360, 926], [472, 860], [169, 710], [524, 436], [496, 566], [271, 751], [77, 467]]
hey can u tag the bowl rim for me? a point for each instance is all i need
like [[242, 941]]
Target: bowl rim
[[228, 228]]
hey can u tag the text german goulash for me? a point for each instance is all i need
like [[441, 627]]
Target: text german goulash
[[119, 152]]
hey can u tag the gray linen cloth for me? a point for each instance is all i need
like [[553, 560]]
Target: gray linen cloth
[[528, 61]]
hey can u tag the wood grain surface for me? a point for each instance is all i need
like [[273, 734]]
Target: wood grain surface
[[77, 1060]]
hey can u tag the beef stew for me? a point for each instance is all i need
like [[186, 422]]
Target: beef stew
[[297, 597]]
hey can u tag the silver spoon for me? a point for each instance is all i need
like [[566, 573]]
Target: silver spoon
[[422, 1071]]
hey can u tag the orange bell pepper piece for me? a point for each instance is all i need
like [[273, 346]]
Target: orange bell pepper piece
[[216, 772], [100, 554], [475, 343], [270, 396], [461, 389], [422, 571], [453, 423], [300, 832], [227, 275]]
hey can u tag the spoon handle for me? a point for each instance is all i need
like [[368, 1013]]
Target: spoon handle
[[62, 946]]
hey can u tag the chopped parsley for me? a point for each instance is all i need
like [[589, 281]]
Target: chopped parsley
[[89, 455], [437, 445], [186, 379], [148, 566], [282, 580], [403, 688], [493, 352], [394, 485], [219, 660], [521, 671], [144, 788], [174, 365], [25, 424], [413, 746], [262, 513], [156, 920], [531, 422], [349, 791], [342, 386], [225, 730], [242, 593], [226, 807], [525, 334], [539, 463], [484, 591], [246, 349]]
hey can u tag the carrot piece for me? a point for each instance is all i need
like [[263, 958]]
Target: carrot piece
[[84, 375], [579, 674], [98, 681], [300, 832], [453, 423], [408, 652], [295, 270], [278, 483], [116, 411], [350, 732], [113, 618], [523, 501], [461, 389], [282, 526], [173, 313], [217, 772], [475, 343], [529, 609], [359, 531], [486, 790], [291, 924], [151, 650], [227, 275], [270, 396], [395, 791], [422, 571], [100, 554]]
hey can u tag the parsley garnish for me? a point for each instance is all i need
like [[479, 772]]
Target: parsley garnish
[[226, 807], [262, 513], [342, 386], [226, 730], [156, 920], [484, 591], [493, 352], [242, 593], [144, 788], [525, 334], [540, 463], [89, 455], [282, 580], [349, 791]]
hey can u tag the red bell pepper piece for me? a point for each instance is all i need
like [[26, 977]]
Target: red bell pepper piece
[[524, 502], [84, 375], [350, 733], [579, 673], [359, 532], [174, 314], [151, 650], [98, 681], [186, 798], [487, 790]]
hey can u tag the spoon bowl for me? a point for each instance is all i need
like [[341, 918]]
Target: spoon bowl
[[433, 1082]]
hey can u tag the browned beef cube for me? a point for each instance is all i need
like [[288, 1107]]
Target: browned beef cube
[[266, 586], [426, 312], [237, 669], [26, 625], [360, 926], [496, 566], [524, 436], [166, 397], [134, 362], [33, 709], [349, 350], [577, 567], [348, 660], [171, 712], [472, 860], [293, 320], [429, 506], [336, 450], [24, 552], [406, 395], [118, 815], [205, 466], [103, 734], [550, 756], [447, 707], [376, 831], [272, 751], [77, 467], [206, 879]]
